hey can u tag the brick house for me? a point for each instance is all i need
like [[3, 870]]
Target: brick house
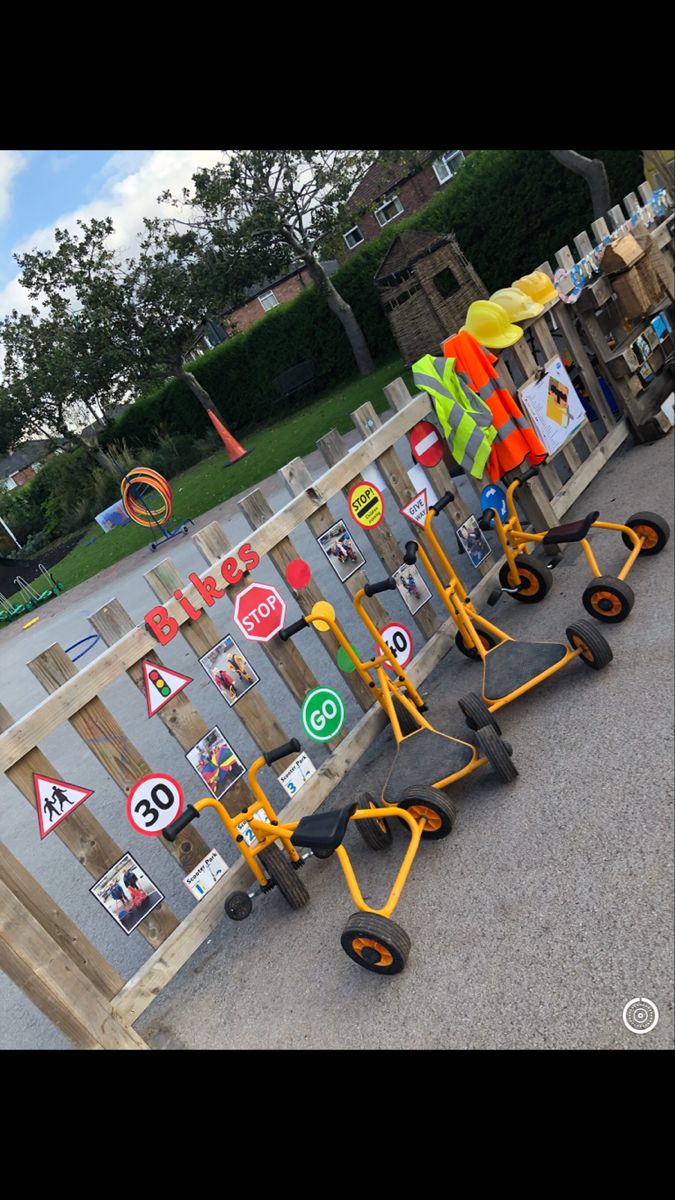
[[391, 190], [23, 464]]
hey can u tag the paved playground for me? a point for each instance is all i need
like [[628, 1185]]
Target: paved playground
[[547, 909]]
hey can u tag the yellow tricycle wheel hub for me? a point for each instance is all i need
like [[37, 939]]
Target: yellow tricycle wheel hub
[[360, 944]]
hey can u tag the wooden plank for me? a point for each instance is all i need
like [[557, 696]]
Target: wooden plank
[[632, 203], [58, 925], [37, 724], [398, 481], [383, 540], [566, 322], [594, 463], [616, 216], [564, 258], [439, 477], [600, 229], [50, 978], [108, 742], [213, 543], [583, 244], [84, 836], [251, 709], [645, 190]]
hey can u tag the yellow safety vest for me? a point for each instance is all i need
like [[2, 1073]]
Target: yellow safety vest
[[465, 419]]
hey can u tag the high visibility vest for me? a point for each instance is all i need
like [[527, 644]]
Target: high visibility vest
[[466, 421], [516, 439]]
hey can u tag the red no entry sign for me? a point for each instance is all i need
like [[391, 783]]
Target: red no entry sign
[[426, 444], [259, 612]]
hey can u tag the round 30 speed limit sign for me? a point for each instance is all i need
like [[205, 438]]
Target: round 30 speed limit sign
[[323, 714], [153, 803], [399, 640]]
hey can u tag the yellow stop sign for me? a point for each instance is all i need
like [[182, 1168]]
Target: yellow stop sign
[[366, 505]]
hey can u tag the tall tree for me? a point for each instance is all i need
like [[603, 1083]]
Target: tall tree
[[282, 205], [134, 319], [593, 170]]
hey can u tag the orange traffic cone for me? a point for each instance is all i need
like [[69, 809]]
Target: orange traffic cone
[[234, 450]]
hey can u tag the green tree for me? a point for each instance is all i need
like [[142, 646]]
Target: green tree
[[279, 206]]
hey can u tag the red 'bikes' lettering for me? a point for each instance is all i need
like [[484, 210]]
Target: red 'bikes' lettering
[[164, 627]]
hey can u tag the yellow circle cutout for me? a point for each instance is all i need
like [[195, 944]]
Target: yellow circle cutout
[[323, 609]]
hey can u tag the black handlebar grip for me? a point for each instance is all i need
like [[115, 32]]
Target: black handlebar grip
[[410, 556], [171, 832], [446, 499], [529, 474], [485, 521], [385, 585], [291, 630], [292, 747]]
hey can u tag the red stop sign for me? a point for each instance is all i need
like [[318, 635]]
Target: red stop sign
[[259, 612], [426, 444]]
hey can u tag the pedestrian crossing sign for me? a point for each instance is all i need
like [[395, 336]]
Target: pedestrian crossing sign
[[55, 800]]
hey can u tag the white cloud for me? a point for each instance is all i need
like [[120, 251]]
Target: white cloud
[[131, 181], [11, 163]]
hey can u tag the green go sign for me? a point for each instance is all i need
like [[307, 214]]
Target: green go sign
[[323, 714]]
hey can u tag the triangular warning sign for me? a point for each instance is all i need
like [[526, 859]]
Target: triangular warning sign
[[416, 511], [55, 799], [161, 685]]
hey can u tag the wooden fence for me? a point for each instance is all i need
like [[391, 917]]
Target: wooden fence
[[41, 949]]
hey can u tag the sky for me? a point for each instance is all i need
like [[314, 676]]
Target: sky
[[43, 189]]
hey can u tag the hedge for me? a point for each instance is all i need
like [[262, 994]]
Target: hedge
[[510, 209]]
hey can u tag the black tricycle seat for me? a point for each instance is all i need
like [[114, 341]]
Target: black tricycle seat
[[325, 830], [575, 531], [510, 665]]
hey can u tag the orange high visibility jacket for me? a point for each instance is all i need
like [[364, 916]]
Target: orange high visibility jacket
[[516, 439]]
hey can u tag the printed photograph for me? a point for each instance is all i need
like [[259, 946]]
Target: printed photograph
[[412, 587], [341, 550], [215, 762], [230, 670], [127, 893], [470, 536]]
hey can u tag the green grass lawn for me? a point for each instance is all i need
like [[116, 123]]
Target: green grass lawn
[[209, 483]]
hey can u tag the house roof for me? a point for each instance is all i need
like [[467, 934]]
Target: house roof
[[383, 176], [408, 246], [24, 454]]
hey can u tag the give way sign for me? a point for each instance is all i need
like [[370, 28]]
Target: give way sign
[[259, 612]]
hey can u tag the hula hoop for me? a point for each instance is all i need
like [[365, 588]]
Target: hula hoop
[[134, 501], [92, 638]]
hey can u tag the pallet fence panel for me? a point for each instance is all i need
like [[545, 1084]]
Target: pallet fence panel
[[439, 476], [108, 742], [285, 657], [252, 710], [58, 925], [82, 834], [45, 953]]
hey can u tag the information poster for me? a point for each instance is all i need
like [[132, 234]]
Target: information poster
[[553, 406]]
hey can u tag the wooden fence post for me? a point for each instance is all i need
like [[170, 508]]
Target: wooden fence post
[[50, 978], [84, 836], [108, 742], [58, 925]]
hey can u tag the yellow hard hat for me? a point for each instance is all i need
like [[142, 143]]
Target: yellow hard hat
[[537, 286], [518, 305], [490, 325]]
